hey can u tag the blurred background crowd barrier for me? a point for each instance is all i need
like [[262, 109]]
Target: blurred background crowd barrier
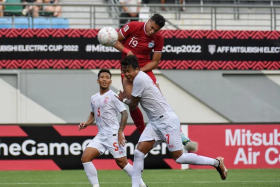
[[191, 14]]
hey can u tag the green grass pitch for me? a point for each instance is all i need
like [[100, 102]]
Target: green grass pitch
[[153, 178]]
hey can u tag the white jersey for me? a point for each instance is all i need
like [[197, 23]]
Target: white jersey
[[131, 2], [106, 108], [152, 100]]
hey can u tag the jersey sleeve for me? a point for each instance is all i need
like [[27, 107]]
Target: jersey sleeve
[[128, 29], [118, 104], [159, 44], [138, 87]]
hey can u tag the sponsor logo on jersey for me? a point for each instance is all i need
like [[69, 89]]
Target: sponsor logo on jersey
[[151, 44], [125, 28]]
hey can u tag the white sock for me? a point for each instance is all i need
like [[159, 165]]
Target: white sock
[[138, 167], [91, 173], [191, 158], [128, 169]]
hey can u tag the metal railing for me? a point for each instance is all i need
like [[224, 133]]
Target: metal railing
[[195, 16]]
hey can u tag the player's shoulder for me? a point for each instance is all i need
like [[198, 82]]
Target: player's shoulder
[[141, 76], [96, 94], [134, 25], [94, 97], [158, 36], [111, 93]]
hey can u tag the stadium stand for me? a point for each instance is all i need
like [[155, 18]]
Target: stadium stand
[[89, 17], [59, 23], [13, 10], [22, 22], [5, 23], [41, 23]]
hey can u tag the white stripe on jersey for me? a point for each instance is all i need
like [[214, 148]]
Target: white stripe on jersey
[[106, 109]]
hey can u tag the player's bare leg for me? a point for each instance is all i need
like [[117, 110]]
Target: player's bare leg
[[136, 115], [194, 159], [88, 155], [127, 167]]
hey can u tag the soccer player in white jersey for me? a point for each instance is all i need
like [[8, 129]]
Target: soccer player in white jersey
[[105, 108], [163, 124]]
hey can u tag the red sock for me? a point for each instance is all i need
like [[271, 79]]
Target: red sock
[[138, 119]]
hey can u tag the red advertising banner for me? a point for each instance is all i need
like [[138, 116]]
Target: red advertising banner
[[182, 50], [242, 146]]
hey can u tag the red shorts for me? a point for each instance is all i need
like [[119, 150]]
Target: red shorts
[[150, 73]]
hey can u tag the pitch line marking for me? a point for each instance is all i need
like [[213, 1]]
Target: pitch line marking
[[186, 182]]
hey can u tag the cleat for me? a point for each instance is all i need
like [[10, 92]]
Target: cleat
[[184, 138], [221, 168]]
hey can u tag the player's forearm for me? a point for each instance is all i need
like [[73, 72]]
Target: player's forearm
[[132, 104], [150, 66], [90, 119], [123, 120], [119, 46]]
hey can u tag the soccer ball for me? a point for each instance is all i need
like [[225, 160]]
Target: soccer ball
[[107, 36]]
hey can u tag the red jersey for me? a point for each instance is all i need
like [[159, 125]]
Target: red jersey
[[140, 44]]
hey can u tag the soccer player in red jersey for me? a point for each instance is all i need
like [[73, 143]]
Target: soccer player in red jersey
[[140, 39]]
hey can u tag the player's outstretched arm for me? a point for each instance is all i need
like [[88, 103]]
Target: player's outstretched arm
[[89, 121], [153, 64], [119, 46], [123, 122]]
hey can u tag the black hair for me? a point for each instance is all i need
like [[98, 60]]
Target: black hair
[[158, 19], [104, 70], [130, 60]]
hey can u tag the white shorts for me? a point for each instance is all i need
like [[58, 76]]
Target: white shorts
[[165, 129], [108, 142]]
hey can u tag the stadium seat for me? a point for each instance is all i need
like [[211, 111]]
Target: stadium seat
[[42, 23], [59, 23], [13, 10], [6, 23], [22, 23]]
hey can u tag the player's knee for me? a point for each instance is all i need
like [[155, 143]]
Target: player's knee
[[85, 159], [121, 163]]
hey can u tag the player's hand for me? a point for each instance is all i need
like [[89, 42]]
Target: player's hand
[[121, 95], [129, 53], [83, 125], [121, 138]]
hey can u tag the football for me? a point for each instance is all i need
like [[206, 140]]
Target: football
[[107, 36]]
